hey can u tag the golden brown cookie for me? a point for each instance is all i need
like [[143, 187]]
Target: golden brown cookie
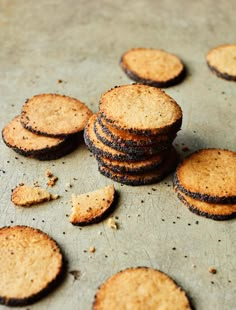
[[140, 288], [31, 264], [54, 115], [208, 175], [142, 178], [26, 196], [141, 109], [27, 143], [92, 207], [129, 139], [122, 147], [222, 61], [97, 147], [213, 211], [153, 67], [133, 167]]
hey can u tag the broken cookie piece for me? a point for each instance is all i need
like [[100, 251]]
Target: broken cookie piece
[[91, 207], [26, 196]]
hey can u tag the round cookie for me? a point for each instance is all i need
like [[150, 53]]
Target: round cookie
[[30, 265], [140, 288], [142, 178], [135, 166], [153, 67], [218, 212], [222, 61], [54, 115], [129, 139], [27, 143], [208, 175], [98, 148], [141, 109], [139, 150]]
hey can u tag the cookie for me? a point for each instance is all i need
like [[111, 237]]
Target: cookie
[[138, 150], [153, 67], [141, 109], [149, 177], [27, 143], [129, 139], [54, 115], [71, 144], [208, 175], [135, 166], [31, 264], [92, 207], [26, 196], [98, 148], [218, 212], [140, 288], [222, 61]]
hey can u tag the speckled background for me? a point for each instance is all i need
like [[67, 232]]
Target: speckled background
[[80, 42]]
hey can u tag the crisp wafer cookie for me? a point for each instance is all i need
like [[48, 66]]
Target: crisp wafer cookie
[[27, 143], [26, 196], [54, 115], [141, 109], [152, 67], [142, 178], [31, 264], [222, 61], [70, 145], [92, 207], [140, 288], [133, 167], [97, 147], [138, 150], [210, 210], [129, 139], [208, 175]]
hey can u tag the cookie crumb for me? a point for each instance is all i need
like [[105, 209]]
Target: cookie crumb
[[48, 173], [212, 270], [92, 249], [52, 181], [112, 223]]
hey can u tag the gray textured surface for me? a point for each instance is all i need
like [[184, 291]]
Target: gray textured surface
[[81, 42]]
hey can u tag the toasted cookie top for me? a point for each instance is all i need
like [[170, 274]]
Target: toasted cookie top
[[54, 115], [89, 208], [140, 109], [151, 66], [222, 60], [208, 175], [140, 288], [30, 261], [26, 196], [17, 137]]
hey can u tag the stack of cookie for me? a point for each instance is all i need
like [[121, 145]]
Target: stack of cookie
[[206, 183], [47, 127], [131, 136]]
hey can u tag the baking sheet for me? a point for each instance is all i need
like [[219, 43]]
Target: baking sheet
[[80, 42]]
